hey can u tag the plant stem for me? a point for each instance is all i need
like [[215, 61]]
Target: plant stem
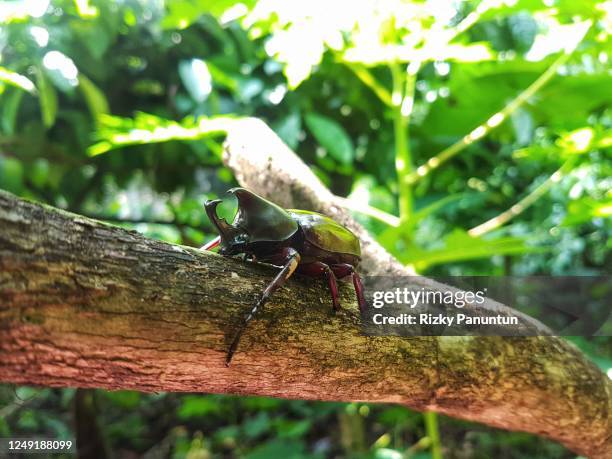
[[431, 426], [524, 203], [352, 430], [472, 18], [370, 211], [370, 81], [403, 101]]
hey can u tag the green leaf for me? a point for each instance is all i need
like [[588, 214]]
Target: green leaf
[[585, 209], [261, 403], [288, 129], [181, 14], [256, 426], [221, 78], [286, 428], [10, 109], [47, 99], [437, 205], [115, 131], [95, 98], [571, 99], [196, 406], [459, 246], [38, 172], [287, 449], [11, 175], [15, 79], [124, 398], [331, 136]]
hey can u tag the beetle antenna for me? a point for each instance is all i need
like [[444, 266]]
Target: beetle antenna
[[293, 259]]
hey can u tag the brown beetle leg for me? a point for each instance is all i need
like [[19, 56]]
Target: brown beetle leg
[[344, 270], [292, 258], [333, 287], [359, 292], [320, 269]]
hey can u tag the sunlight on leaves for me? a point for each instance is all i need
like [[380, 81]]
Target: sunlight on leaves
[[578, 141], [144, 128], [475, 52], [585, 209], [16, 11], [458, 246], [181, 14], [15, 79], [299, 33], [85, 9], [197, 78], [61, 70]]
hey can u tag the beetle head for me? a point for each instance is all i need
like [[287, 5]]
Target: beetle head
[[257, 220]]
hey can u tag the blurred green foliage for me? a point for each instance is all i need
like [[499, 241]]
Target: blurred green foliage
[[480, 131]]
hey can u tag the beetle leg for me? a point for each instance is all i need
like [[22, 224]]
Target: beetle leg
[[344, 270], [319, 269], [211, 244], [359, 291], [333, 287], [292, 258]]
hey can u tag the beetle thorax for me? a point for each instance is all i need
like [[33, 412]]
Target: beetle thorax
[[259, 227]]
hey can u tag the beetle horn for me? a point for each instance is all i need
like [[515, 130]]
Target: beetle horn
[[262, 219], [226, 231]]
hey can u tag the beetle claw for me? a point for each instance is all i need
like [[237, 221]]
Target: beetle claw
[[226, 231]]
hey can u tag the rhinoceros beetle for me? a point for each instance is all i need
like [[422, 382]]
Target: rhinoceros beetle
[[297, 240]]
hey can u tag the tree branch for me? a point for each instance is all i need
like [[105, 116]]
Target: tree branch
[[85, 304]]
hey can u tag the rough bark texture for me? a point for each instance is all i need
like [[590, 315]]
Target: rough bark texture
[[83, 304]]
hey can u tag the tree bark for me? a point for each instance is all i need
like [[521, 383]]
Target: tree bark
[[85, 304]]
